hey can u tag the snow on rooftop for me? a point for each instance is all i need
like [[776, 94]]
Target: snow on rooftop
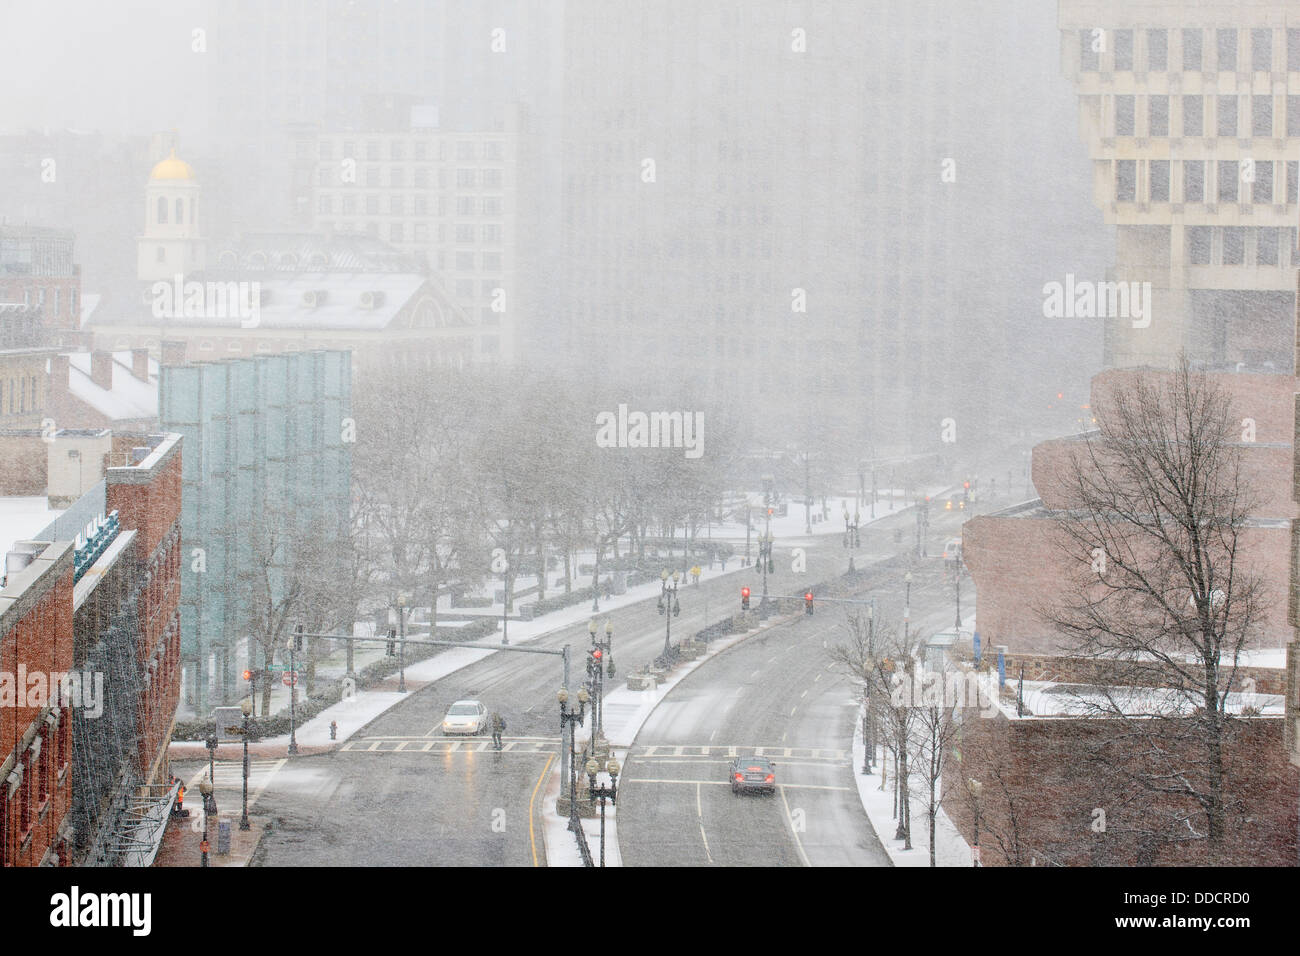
[[129, 398], [23, 516]]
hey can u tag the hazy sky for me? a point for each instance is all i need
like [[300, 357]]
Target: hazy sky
[[111, 65]]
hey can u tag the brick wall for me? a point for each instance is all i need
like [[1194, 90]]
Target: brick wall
[[1052, 790], [1019, 570], [23, 463], [36, 635]]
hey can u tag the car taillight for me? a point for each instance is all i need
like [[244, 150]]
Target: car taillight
[[740, 776], [770, 778]]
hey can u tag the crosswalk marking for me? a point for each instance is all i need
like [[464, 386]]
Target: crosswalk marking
[[446, 745], [686, 751]]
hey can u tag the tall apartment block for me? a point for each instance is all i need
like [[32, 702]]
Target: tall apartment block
[[1191, 115]]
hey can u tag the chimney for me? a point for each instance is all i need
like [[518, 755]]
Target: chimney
[[140, 364], [101, 369], [59, 366], [173, 352]]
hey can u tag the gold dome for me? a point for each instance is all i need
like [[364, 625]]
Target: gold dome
[[172, 168]]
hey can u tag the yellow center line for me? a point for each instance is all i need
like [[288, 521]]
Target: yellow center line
[[532, 836]]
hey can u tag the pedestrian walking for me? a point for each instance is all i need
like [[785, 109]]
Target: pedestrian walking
[[498, 728]]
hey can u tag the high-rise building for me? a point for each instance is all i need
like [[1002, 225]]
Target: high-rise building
[[1190, 112]]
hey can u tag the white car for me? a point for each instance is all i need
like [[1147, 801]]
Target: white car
[[465, 717]]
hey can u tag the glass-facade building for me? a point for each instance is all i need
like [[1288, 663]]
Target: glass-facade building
[[265, 437]]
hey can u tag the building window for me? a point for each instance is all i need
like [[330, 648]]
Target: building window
[[326, 150], [1192, 50], [464, 205], [1089, 59], [492, 179], [1261, 50], [492, 233], [395, 232], [325, 204], [180, 212], [491, 262], [1158, 115], [1228, 173], [395, 205], [162, 211], [1123, 50], [1157, 51], [465, 178], [372, 176], [464, 151], [1125, 180], [420, 206], [1160, 180], [396, 177], [1268, 244], [160, 254], [464, 262], [1293, 116], [421, 232], [1234, 245], [1227, 115], [395, 150], [1198, 245], [1261, 116], [1227, 50], [1124, 124], [372, 150], [421, 151], [422, 177], [1293, 49], [1292, 170], [1262, 192], [372, 205], [1193, 116], [1193, 181], [464, 233], [492, 150], [492, 206], [349, 205]]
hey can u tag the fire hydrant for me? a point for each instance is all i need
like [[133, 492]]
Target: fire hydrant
[[334, 730]]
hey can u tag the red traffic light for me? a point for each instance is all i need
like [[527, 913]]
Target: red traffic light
[[596, 653], [248, 675], [808, 596], [965, 484], [744, 592]]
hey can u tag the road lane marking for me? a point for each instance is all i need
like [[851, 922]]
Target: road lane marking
[[793, 709], [817, 678], [790, 821], [724, 783], [714, 734], [803, 695], [532, 836], [699, 813]]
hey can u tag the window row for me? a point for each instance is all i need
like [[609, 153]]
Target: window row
[[1235, 181], [421, 151], [419, 233], [1241, 245], [464, 206], [1228, 120], [1195, 45], [421, 178]]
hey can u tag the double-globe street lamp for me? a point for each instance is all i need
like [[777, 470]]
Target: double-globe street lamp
[[205, 788], [669, 607], [567, 719], [603, 793]]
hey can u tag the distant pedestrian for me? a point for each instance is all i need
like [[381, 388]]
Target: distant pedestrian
[[498, 728], [334, 730]]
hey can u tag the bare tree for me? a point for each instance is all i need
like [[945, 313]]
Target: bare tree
[[1164, 599], [935, 730]]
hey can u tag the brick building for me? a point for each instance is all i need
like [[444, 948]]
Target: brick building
[[96, 595]]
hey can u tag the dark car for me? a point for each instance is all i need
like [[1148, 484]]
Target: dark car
[[753, 773]]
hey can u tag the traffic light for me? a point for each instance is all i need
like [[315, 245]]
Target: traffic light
[[807, 602], [297, 638], [744, 599], [248, 675], [392, 642]]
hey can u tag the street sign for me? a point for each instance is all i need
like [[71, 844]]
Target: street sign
[[290, 678]]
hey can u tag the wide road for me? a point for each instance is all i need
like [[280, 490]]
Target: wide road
[[778, 694], [398, 793]]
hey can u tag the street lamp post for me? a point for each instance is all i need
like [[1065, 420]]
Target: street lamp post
[[956, 581], [293, 691], [246, 705], [976, 789], [567, 719], [668, 607], [869, 725], [205, 788], [401, 644], [603, 793], [907, 605]]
